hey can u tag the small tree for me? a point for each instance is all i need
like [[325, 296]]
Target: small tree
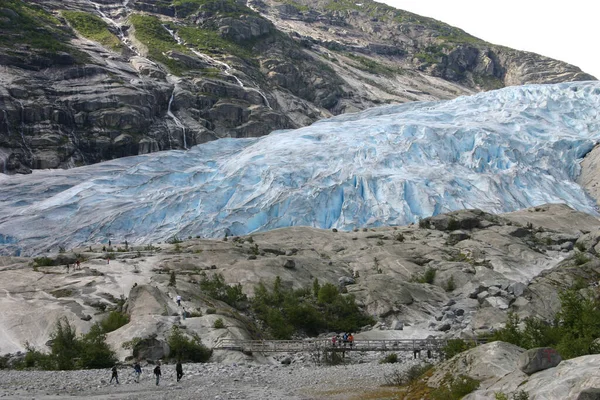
[[172, 279], [187, 349], [65, 346]]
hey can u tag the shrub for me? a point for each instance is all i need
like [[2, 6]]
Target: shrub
[[427, 277], [456, 388], [43, 262], [187, 349], [389, 359], [407, 377], [520, 395], [216, 288], [219, 324], [450, 284], [114, 321], [70, 352], [500, 396], [572, 333], [284, 311], [580, 258], [211, 311], [580, 246], [172, 279], [456, 346]]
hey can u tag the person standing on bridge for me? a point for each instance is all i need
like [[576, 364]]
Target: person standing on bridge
[[334, 340], [350, 339]]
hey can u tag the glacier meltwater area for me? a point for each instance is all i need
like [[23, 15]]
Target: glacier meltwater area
[[498, 151]]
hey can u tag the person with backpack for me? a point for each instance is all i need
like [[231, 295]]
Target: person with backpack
[[179, 370], [115, 374], [157, 372], [138, 371], [345, 338]]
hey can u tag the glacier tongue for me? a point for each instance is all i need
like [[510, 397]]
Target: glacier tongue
[[498, 151]]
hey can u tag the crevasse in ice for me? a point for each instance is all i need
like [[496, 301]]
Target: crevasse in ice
[[498, 151]]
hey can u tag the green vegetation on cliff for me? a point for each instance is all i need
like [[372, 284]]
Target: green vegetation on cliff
[[210, 42], [26, 24], [93, 28], [149, 30], [573, 332], [224, 8]]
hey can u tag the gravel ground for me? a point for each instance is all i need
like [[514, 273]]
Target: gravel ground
[[300, 380]]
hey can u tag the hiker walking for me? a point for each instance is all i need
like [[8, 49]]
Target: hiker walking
[[68, 266], [178, 300], [157, 372], [115, 374], [179, 370], [138, 371], [78, 264]]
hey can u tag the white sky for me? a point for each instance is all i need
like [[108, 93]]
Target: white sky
[[565, 30]]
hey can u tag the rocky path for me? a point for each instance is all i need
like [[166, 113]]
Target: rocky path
[[205, 381]]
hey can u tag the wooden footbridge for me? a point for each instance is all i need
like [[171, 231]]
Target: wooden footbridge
[[309, 345]]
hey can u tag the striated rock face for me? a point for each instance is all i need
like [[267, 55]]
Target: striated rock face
[[84, 81]]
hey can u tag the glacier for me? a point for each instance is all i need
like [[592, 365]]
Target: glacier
[[498, 151]]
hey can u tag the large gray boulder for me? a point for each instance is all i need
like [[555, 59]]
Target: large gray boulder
[[538, 359], [589, 394]]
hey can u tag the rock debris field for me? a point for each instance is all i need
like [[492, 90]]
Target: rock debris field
[[206, 381]]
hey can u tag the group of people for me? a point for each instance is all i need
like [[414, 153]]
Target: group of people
[[77, 265], [342, 340], [137, 370]]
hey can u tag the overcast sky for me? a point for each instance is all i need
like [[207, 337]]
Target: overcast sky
[[565, 30]]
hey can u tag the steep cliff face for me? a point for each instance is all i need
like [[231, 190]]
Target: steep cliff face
[[85, 81]]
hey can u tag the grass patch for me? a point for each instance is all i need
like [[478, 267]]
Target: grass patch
[[373, 67], [113, 321], [220, 8], [93, 28], [210, 42], [150, 31], [61, 293]]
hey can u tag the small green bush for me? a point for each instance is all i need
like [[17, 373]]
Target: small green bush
[[520, 395], [211, 311], [427, 277], [219, 324], [450, 284], [500, 396], [580, 258], [216, 288], [43, 262], [456, 346], [187, 349], [389, 359], [114, 321], [172, 279], [407, 377], [456, 388]]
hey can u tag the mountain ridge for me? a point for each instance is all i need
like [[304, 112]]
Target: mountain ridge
[[90, 81]]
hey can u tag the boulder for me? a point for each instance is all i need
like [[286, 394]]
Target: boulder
[[151, 349], [589, 394], [345, 280], [517, 288], [538, 359], [457, 236], [397, 325], [289, 264]]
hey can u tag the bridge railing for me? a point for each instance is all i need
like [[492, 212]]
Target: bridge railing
[[315, 344]]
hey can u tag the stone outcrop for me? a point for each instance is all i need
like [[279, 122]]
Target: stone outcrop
[[538, 359], [74, 101]]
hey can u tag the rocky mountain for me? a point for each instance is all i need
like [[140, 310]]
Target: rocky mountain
[[85, 81]]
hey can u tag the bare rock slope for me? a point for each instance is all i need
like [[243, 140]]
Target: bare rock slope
[[479, 265]]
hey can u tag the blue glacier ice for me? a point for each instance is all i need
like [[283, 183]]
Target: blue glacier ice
[[498, 151]]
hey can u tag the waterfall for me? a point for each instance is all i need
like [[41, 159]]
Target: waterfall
[[175, 119], [226, 67], [4, 158], [23, 125], [7, 122], [118, 26]]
